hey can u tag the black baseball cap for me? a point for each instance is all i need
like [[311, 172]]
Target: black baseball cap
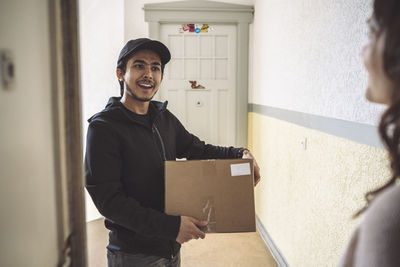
[[143, 43]]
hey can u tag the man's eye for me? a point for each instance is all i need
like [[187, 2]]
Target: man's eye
[[155, 68], [139, 66]]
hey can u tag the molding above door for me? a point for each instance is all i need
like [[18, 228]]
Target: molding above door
[[219, 13], [206, 11]]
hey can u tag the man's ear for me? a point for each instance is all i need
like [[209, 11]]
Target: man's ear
[[120, 75]]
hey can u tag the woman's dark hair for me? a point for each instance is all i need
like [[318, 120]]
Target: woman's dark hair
[[387, 16], [123, 69]]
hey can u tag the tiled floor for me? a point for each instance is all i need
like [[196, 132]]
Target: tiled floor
[[243, 249]]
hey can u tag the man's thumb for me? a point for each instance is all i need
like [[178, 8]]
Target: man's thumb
[[199, 223], [204, 223]]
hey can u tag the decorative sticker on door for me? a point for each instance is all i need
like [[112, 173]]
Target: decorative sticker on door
[[194, 85], [195, 28]]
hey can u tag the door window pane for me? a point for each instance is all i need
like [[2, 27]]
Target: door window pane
[[221, 69], [207, 68], [221, 46], [191, 69], [206, 46], [176, 46], [175, 69], [191, 49]]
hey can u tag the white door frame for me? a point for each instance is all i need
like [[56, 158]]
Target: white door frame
[[219, 13]]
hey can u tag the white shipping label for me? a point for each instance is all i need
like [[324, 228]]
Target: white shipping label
[[240, 169]]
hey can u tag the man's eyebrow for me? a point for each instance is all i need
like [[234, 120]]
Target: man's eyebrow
[[142, 61], [139, 61]]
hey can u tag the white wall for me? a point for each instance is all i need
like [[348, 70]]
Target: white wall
[[101, 39], [28, 222], [307, 58]]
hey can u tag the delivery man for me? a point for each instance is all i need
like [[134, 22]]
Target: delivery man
[[127, 144]]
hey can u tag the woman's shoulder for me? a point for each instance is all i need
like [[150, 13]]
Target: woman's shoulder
[[379, 233], [385, 205], [383, 215]]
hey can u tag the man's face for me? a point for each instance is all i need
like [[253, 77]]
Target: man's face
[[143, 75]]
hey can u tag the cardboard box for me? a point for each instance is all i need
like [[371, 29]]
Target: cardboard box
[[219, 191]]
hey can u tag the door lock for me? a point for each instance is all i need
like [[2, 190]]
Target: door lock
[[199, 103]]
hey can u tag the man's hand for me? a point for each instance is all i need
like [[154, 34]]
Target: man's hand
[[189, 229], [247, 155]]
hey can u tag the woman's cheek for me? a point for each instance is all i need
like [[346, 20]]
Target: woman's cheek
[[367, 57]]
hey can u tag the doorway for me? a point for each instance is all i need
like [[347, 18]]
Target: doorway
[[223, 92]]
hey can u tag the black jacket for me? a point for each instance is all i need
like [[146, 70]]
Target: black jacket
[[125, 174]]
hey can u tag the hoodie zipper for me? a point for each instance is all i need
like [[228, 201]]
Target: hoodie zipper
[[157, 132]]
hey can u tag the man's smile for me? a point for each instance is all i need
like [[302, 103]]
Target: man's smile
[[145, 84]]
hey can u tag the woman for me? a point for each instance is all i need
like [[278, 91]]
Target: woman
[[377, 241]]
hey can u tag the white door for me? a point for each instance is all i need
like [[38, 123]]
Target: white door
[[209, 58]]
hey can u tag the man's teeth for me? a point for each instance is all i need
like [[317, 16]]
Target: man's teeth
[[146, 85]]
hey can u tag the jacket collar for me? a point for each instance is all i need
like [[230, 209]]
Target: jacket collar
[[114, 104], [154, 105]]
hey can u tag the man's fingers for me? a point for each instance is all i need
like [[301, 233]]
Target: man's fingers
[[189, 229], [257, 175], [200, 234], [197, 222], [196, 232]]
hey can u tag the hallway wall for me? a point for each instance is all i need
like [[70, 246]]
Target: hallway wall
[[307, 197], [308, 74], [308, 58], [28, 202]]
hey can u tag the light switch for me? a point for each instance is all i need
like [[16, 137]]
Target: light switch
[[303, 143]]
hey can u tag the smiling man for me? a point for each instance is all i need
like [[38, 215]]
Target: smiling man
[[127, 144], [142, 75]]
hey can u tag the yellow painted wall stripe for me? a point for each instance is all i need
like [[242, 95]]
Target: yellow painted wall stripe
[[306, 198]]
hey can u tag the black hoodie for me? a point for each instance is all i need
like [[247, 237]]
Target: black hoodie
[[125, 174]]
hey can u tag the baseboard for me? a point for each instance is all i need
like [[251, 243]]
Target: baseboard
[[276, 253]]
